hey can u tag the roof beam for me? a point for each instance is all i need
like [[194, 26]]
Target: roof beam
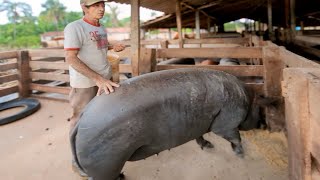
[[195, 9], [208, 5]]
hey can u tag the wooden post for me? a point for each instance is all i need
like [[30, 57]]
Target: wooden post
[[197, 24], [293, 18], [301, 91], [164, 44], [209, 24], [179, 23], [23, 74], [169, 31], [272, 86], [287, 21], [314, 104], [302, 27], [148, 61], [270, 28], [135, 36]]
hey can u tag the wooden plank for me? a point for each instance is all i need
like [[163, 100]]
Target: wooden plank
[[8, 66], [314, 104], [235, 70], [46, 53], [293, 60], [257, 87], [272, 87], [241, 41], [290, 91], [135, 36], [23, 73], [49, 65], [226, 52], [148, 61], [125, 68], [50, 89], [8, 90], [49, 98], [8, 55], [179, 22], [197, 14], [164, 44], [296, 90], [8, 78], [50, 76], [50, 59]]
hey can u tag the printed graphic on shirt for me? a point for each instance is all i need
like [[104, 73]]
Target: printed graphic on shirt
[[100, 39]]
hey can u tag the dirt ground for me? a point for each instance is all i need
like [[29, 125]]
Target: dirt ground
[[37, 148]]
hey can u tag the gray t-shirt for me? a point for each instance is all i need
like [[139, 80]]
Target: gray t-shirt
[[91, 42]]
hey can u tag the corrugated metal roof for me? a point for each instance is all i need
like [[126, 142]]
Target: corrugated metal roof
[[228, 10]]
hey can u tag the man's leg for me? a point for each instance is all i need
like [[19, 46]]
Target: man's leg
[[79, 98]]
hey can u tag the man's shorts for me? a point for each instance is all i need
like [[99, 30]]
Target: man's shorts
[[80, 97]]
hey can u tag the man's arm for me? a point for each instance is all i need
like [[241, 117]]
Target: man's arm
[[102, 83], [116, 47]]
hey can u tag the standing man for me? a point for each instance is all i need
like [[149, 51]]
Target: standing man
[[86, 46]]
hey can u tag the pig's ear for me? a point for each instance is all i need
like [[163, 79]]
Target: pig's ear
[[268, 101]]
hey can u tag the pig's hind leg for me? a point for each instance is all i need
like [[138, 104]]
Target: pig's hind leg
[[226, 125], [204, 143]]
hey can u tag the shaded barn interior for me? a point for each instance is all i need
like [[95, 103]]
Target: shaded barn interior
[[222, 11]]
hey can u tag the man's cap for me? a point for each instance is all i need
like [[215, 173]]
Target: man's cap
[[90, 2]]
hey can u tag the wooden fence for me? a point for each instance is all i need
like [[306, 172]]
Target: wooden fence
[[286, 76], [301, 90]]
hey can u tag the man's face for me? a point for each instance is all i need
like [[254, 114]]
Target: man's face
[[96, 11]]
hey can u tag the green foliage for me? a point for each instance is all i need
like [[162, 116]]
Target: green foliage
[[233, 26], [24, 30], [55, 12], [125, 22]]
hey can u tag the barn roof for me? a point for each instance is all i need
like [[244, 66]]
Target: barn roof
[[223, 11]]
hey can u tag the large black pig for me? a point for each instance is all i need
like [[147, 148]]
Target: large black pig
[[158, 111]]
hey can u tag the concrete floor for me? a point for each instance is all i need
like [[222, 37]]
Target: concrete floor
[[37, 148]]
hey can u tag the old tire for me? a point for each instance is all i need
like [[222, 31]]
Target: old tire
[[31, 106]]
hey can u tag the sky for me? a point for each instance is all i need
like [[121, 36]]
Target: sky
[[74, 5]]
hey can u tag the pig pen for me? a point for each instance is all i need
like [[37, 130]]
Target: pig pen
[[37, 148]]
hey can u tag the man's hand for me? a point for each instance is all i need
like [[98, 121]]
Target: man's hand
[[105, 85], [118, 47]]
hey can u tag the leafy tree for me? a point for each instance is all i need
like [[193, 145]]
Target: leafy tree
[[125, 22], [55, 11], [72, 16], [16, 12]]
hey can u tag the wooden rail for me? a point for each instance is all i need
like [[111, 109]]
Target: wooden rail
[[44, 88], [8, 78], [47, 53], [257, 70], [9, 90], [50, 76], [49, 65], [8, 66], [8, 55], [226, 52], [240, 41], [293, 60]]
